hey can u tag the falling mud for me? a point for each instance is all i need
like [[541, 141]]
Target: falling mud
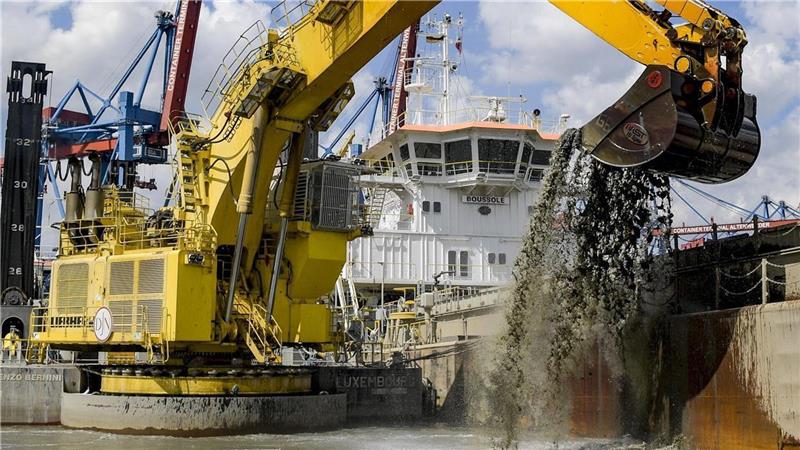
[[578, 284]]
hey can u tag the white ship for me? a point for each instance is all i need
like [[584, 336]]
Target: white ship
[[455, 178]]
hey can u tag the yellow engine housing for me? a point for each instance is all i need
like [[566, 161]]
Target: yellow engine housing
[[134, 287]]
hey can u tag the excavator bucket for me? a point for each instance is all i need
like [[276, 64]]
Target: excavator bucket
[[659, 125]]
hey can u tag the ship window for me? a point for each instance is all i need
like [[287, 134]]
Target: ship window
[[501, 258], [541, 157], [428, 150], [535, 175], [409, 170], [497, 155], [429, 169], [464, 263], [491, 258], [426, 206], [437, 207], [451, 261], [404, 155], [527, 150], [458, 157]]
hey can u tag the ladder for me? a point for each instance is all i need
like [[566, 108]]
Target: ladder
[[187, 161], [262, 337], [374, 207]]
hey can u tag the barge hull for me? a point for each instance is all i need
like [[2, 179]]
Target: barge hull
[[203, 415], [734, 377]]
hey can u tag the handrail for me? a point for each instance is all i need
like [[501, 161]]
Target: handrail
[[252, 47], [373, 272], [50, 319], [87, 235]]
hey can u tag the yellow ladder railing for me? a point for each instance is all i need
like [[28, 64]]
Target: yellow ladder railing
[[262, 337]]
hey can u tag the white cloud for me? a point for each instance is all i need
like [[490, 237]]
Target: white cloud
[[534, 42], [772, 58], [586, 95], [105, 36]]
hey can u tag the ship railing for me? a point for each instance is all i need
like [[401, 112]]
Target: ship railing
[[480, 166], [378, 272], [492, 273], [449, 297], [491, 168], [57, 322], [497, 167], [750, 281], [395, 221], [434, 118]]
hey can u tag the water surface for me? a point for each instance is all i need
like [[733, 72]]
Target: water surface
[[374, 438]]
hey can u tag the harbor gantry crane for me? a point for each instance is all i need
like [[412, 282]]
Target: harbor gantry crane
[[235, 272]]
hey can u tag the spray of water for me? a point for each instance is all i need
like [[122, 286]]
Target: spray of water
[[577, 284]]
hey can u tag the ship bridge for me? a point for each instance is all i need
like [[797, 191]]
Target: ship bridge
[[455, 202], [451, 181]]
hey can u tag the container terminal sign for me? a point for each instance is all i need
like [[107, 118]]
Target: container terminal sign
[[484, 200]]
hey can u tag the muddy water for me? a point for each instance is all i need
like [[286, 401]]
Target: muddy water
[[377, 438], [577, 285]]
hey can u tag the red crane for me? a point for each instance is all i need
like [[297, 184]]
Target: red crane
[[181, 62]]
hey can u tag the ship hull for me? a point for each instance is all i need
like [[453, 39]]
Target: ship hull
[[722, 380]]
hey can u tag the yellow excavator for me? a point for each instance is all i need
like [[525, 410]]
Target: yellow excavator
[[233, 273]]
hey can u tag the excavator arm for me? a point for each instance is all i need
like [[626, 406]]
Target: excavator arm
[[687, 115]]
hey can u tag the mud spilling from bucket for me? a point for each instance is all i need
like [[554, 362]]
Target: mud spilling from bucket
[[578, 281]]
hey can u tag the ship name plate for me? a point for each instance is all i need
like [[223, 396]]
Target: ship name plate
[[484, 200]]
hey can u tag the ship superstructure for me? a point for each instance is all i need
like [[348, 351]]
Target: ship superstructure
[[456, 178]]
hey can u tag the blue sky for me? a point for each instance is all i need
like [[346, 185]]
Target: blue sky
[[527, 48]]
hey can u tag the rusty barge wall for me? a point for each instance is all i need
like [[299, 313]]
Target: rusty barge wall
[[733, 377]]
